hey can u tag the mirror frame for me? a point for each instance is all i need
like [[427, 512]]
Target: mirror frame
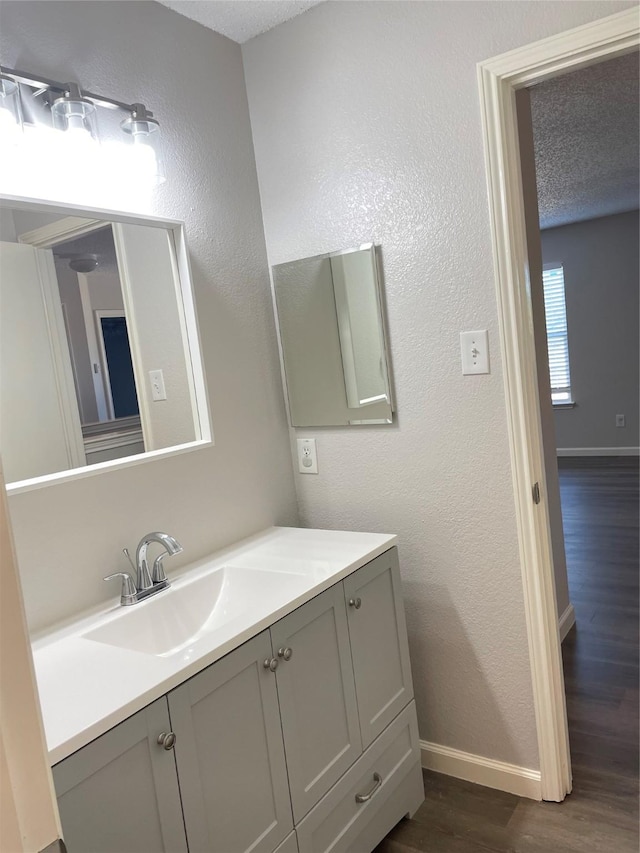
[[193, 341]]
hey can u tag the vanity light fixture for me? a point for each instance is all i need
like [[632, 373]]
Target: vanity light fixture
[[74, 113]]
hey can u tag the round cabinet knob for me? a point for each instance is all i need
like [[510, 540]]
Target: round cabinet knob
[[355, 602], [270, 663], [167, 740], [285, 653]]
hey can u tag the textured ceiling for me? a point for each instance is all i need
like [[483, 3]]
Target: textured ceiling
[[240, 20], [586, 133]]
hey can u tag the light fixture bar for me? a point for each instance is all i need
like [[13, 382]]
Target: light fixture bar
[[60, 88]]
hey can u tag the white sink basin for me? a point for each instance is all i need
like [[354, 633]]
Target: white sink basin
[[180, 616]]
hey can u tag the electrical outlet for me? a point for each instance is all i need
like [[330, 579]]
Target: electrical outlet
[[620, 421], [307, 456]]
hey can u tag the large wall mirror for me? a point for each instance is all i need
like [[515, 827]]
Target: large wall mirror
[[329, 311], [99, 355]]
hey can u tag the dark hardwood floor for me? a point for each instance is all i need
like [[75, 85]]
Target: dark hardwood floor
[[600, 511]]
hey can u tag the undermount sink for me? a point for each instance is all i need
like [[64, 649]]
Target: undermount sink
[[179, 617]]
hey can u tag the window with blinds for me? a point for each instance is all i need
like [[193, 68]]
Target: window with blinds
[[557, 342]]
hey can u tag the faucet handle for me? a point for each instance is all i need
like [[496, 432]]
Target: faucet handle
[[158, 574], [128, 592]]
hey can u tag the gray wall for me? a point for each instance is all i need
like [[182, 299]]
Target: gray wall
[[366, 126], [69, 536], [600, 260]]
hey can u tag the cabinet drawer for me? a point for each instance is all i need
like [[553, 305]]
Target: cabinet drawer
[[338, 819]]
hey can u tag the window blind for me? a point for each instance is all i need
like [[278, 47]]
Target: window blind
[[557, 341]]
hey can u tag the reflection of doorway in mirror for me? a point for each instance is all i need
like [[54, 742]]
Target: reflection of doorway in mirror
[[91, 291], [90, 285], [116, 363]]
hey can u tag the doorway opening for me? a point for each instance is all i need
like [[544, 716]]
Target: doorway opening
[[585, 128], [500, 80]]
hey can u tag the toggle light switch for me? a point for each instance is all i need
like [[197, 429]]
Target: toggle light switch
[[158, 391], [475, 352]]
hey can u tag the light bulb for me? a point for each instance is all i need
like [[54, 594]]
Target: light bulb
[[7, 119], [10, 114], [144, 156], [144, 131], [79, 136]]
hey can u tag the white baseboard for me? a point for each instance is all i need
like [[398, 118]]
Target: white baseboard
[[567, 621], [482, 771], [598, 451]]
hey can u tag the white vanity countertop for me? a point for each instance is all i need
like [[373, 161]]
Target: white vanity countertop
[[86, 687]]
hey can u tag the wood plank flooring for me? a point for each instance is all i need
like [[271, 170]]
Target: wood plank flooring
[[600, 511]]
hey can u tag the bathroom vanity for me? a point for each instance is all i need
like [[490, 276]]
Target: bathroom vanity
[[285, 724]]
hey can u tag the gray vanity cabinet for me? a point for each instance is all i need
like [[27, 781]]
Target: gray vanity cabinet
[[317, 697], [379, 647], [230, 755], [303, 738], [119, 794]]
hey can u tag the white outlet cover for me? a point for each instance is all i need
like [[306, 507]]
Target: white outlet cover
[[307, 456]]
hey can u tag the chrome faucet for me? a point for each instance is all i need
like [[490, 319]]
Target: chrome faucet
[[147, 582], [144, 578]]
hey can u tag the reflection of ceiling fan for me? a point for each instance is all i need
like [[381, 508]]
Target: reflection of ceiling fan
[[81, 262]]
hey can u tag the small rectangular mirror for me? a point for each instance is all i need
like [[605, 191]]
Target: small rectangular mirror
[[329, 312], [99, 355]]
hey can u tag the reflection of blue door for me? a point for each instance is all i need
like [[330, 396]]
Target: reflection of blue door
[[120, 366]]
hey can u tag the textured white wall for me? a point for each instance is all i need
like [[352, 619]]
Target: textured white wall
[[366, 126], [69, 536], [600, 260]]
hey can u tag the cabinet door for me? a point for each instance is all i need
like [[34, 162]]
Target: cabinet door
[[379, 648], [230, 754], [119, 794], [317, 697]]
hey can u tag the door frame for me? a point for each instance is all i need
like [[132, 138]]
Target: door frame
[[60, 356], [47, 237], [498, 79]]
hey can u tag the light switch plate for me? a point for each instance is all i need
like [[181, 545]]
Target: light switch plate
[[307, 456], [474, 347]]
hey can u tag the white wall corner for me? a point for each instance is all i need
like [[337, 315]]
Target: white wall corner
[[598, 451], [566, 621], [483, 771]]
